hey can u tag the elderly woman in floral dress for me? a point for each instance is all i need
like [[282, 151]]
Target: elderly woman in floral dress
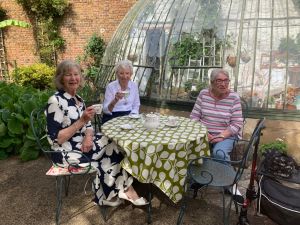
[[69, 128]]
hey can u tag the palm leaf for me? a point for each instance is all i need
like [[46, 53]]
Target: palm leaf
[[18, 23]]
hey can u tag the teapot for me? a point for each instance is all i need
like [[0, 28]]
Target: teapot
[[151, 120]]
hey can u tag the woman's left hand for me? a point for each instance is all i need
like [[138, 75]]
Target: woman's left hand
[[87, 143], [214, 139]]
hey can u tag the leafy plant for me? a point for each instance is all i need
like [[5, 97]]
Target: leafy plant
[[277, 145], [46, 16], [289, 44], [18, 23], [38, 75], [194, 88], [16, 104], [195, 46], [93, 53], [95, 49]]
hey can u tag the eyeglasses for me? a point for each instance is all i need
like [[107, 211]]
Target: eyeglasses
[[219, 81]]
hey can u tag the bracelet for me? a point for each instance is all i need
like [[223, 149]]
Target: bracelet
[[221, 136]]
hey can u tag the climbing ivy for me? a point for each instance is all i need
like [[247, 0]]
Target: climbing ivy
[[46, 17]]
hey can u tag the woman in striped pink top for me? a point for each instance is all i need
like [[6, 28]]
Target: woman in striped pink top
[[219, 109]]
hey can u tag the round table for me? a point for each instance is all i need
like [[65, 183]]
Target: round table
[[159, 156]]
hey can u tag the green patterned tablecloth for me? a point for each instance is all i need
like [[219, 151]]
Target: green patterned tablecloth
[[159, 156]]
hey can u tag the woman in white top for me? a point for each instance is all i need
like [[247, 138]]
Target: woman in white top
[[122, 95]]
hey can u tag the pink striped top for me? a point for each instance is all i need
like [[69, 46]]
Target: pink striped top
[[219, 115]]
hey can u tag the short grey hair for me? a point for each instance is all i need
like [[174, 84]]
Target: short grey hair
[[62, 69], [124, 64], [215, 72]]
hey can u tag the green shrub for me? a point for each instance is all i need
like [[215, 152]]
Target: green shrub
[[38, 75], [278, 145], [16, 104], [95, 49]]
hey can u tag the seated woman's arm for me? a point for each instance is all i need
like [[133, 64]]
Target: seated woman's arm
[[55, 119], [87, 142], [66, 133], [196, 112], [110, 100], [236, 121]]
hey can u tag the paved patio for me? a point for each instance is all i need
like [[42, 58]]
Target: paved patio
[[28, 198]]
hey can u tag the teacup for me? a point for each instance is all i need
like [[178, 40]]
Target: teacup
[[172, 120], [126, 93], [98, 108]]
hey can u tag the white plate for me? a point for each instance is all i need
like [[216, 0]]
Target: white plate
[[171, 125], [134, 116], [127, 126]]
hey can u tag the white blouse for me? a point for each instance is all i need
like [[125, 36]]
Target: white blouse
[[128, 103]]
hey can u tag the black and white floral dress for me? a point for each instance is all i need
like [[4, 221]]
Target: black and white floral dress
[[62, 111]]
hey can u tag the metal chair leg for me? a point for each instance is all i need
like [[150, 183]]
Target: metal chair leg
[[149, 207], [224, 212], [103, 210], [59, 186], [226, 215], [182, 210], [67, 184]]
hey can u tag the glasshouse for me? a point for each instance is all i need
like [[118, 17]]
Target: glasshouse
[[174, 45]]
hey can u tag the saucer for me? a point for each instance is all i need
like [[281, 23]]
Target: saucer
[[134, 116], [127, 126], [171, 124]]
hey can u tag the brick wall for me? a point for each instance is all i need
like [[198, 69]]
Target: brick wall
[[19, 43], [85, 18]]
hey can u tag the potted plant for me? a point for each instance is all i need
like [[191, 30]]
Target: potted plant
[[195, 46], [277, 145], [194, 88]]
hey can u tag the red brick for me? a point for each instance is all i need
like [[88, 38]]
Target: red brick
[[86, 17]]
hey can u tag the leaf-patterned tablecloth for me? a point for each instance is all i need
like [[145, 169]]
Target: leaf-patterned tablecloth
[[159, 156]]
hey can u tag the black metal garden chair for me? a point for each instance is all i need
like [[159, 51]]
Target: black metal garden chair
[[62, 174], [209, 171]]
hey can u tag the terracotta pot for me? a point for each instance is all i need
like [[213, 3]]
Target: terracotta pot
[[291, 107], [231, 60]]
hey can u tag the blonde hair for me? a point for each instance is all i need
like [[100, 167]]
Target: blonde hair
[[62, 69]]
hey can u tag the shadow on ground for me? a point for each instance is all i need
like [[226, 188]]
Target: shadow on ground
[[28, 197]]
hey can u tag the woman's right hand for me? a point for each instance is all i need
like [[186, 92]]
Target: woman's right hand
[[119, 95], [88, 114]]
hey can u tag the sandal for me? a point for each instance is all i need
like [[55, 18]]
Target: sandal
[[139, 202]]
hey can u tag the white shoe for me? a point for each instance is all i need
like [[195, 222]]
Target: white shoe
[[236, 195], [235, 190], [139, 202]]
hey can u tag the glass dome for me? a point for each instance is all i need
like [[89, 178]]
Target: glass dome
[[174, 44]]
